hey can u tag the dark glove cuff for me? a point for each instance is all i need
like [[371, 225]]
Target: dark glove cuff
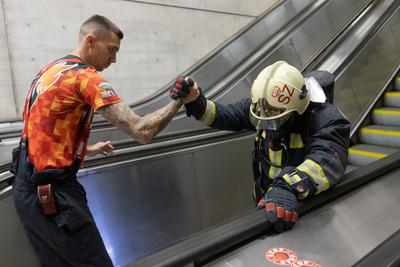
[[197, 107], [281, 183], [303, 188]]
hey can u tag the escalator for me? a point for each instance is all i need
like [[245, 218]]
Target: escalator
[[347, 228], [136, 203]]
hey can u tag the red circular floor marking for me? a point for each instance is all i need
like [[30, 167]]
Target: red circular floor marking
[[281, 256]]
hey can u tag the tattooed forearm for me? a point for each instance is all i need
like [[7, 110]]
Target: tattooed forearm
[[143, 129], [158, 120], [121, 116]]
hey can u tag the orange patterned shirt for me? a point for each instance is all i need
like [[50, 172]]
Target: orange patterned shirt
[[60, 96]]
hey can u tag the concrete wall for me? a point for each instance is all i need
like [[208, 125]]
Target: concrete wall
[[162, 39], [7, 101]]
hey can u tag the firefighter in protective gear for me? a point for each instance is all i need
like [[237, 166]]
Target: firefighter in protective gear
[[301, 141]]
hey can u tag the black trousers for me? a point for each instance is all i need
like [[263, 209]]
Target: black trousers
[[68, 238]]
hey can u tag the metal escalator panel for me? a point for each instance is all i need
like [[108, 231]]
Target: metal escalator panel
[[147, 202], [15, 248]]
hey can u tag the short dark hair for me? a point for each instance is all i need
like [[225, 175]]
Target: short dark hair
[[100, 26]]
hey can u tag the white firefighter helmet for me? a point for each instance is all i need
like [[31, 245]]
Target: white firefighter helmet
[[277, 92]]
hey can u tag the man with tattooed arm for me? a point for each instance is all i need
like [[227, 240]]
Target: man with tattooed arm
[[58, 111]]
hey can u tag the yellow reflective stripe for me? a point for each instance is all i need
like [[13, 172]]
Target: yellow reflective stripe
[[264, 134], [316, 173], [276, 158], [386, 112], [296, 141], [383, 132], [392, 94], [291, 179], [209, 114], [367, 153]]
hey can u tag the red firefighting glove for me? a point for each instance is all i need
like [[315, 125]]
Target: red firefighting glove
[[281, 206], [181, 87]]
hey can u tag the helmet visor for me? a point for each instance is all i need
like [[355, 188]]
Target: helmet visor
[[264, 110], [269, 124], [267, 117]]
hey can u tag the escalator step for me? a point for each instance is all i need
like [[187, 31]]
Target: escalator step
[[380, 135], [386, 116], [392, 99], [363, 154]]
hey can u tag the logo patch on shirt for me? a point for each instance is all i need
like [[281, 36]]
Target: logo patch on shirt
[[105, 85], [108, 90]]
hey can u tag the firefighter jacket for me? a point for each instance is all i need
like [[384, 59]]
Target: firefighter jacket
[[312, 156]]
